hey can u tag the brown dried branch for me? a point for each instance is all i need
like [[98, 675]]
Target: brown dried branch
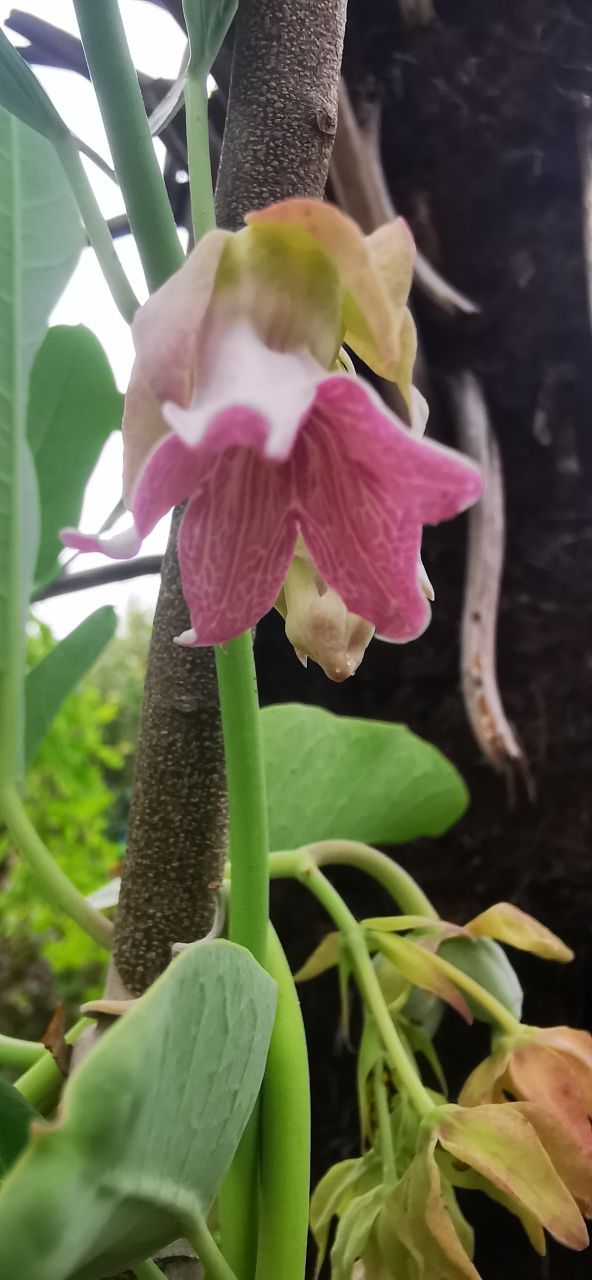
[[482, 586], [359, 183]]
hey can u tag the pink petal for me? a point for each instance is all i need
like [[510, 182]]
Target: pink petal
[[236, 541], [142, 427], [366, 486], [246, 394], [172, 474], [167, 329], [120, 546]]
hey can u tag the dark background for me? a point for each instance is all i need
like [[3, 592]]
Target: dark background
[[481, 110]]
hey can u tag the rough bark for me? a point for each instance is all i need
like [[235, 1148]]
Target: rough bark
[[282, 110], [177, 830]]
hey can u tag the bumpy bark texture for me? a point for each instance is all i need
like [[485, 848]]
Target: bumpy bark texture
[[282, 116], [177, 831], [282, 110]]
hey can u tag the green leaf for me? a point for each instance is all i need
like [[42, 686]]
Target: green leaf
[[23, 96], [50, 682], [486, 962], [15, 1117], [40, 239], [336, 1190], [149, 1126], [333, 777], [207, 23], [74, 406], [353, 1231]]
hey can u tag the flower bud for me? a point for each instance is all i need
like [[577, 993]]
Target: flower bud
[[318, 623]]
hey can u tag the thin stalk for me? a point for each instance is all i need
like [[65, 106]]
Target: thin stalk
[[97, 230], [285, 1134], [198, 150], [368, 985], [20, 1053], [148, 1271], [214, 1263], [401, 886], [56, 885], [42, 1082], [247, 800], [249, 910], [385, 1135], [128, 132]]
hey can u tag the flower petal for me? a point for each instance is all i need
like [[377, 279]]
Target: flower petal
[[485, 1083], [167, 328], [366, 485], [172, 473], [576, 1048], [373, 270], [236, 540], [539, 1074], [499, 1142], [247, 394], [572, 1164], [119, 546], [142, 427]]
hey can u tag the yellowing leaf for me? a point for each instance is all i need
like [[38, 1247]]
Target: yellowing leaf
[[507, 923], [326, 956]]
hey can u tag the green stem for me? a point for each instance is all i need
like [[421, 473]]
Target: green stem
[[148, 1271], [249, 911], [41, 1084], [214, 1263], [351, 853], [385, 1136], [97, 230], [126, 124], [247, 801], [20, 1053], [198, 150], [57, 887], [504, 1018], [368, 984], [285, 1134]]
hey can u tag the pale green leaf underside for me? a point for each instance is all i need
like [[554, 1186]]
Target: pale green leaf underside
[[151, 1121], [40, 239], [50, 682], [331, 777]]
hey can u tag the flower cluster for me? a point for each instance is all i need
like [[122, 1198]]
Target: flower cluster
[[298, 483], [520, 1133]]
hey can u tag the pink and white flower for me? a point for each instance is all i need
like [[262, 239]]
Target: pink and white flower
[[234, 410]]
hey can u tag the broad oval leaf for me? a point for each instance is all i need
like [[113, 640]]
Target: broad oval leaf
[[50, 682], [149, 1124], [333, 777], [74, 405]]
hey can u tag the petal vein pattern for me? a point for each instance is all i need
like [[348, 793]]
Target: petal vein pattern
[[366, 486], [236, 540]]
